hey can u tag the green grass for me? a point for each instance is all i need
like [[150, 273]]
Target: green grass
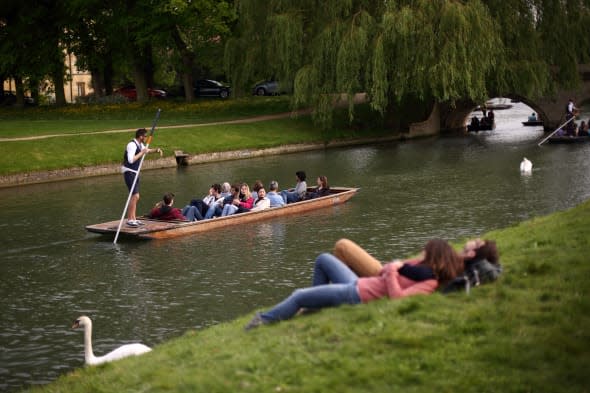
[[74, 119], [79, 148], [527, 332]]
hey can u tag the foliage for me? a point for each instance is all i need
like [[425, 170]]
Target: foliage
[[441, 50], [524, 333]]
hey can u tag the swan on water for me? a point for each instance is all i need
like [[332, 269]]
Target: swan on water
[[526, 166], [119, 353]]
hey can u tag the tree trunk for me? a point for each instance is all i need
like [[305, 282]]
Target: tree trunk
[[187, 66], [140, 82], [20, 92], [58, 83], [97, 82]]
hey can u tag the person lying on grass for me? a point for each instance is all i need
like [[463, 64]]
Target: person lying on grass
[[364, 264], [334, 283]]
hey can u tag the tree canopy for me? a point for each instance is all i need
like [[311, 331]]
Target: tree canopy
[[420, 50]]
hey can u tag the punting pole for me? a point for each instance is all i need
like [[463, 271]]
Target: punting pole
[[147, 145], [550, 135]]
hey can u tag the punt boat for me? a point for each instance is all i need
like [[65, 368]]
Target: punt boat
[[156, 229], [568, 139], [532, 123]]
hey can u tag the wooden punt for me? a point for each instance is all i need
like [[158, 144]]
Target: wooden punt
[[532, 123], [155, 229], [568, 139]]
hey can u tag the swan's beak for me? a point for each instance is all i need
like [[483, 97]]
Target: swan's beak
[[76, 324]]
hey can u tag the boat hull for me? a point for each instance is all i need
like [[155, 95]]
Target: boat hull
[[568, 139], [154, 229], [533, 123]]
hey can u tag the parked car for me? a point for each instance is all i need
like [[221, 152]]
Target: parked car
[[267, 88], [211, 88], [130, 93], [9, 98]]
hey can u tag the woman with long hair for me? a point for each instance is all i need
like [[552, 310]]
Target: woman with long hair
[[334, 283], [242, 202]]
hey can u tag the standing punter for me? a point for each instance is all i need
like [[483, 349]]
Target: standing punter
[[131, 158]]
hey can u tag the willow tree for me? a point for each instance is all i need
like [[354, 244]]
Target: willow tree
[[398, 52]]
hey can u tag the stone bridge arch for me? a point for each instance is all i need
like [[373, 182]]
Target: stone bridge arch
[[549, 109]]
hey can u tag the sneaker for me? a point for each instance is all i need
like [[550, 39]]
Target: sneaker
[[133, 223], [255, 322], [140, 222]]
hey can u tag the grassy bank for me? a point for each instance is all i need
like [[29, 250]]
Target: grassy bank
[[525, 333], [79, 148]]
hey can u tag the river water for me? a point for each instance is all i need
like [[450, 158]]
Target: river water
[[151, 291]]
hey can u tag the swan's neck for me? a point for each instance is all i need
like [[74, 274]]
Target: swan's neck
[[88, 354]]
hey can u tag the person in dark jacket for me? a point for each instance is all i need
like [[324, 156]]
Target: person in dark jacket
[[164, 210]]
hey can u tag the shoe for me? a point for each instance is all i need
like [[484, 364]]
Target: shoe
[[133, 223], [140, 222], [255, 322]]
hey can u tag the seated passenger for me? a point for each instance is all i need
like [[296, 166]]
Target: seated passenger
[[242, 202], [276, 200], [533, 117], [257, 186], [199, 207], [262, 202], [164, 210], [583, 129], [298, 193], [321, 190], [216, 208]]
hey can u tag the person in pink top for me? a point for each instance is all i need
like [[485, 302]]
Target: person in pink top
[[334, 283]]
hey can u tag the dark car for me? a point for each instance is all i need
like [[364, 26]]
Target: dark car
[[211, 88], [267, 88], [9, 98], [130, 93]]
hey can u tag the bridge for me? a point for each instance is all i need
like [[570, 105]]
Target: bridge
[[550, 109]]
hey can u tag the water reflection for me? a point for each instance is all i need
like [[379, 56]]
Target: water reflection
[[150, 291]]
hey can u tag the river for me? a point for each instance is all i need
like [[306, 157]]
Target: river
[[151, 291]]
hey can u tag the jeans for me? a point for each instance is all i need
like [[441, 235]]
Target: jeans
[[289, 197], [333, 284], [229, 210], [214, 210], [192, 213]]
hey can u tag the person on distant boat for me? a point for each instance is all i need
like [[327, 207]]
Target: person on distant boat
[[241, 203], [262, 202], [334, 283], [298, 193], [570, 108], [198, 208], [533, 117], [276, 200], [474, 123], [163, 210], [134, 151], [583, 129], [491, 117], [321, 190]]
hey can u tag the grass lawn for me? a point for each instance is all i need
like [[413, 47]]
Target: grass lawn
[[527, 332], [79, 148]]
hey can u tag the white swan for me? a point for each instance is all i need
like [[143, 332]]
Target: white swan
[[119, 353], [526, 166]]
